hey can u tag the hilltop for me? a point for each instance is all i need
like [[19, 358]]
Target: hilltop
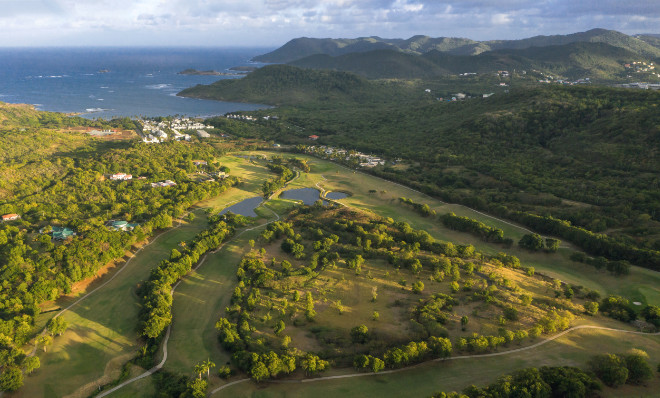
[[296, 49], [571, 61]]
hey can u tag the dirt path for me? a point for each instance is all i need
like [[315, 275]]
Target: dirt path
[[493, 354]]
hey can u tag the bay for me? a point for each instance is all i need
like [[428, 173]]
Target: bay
[[112, 82]]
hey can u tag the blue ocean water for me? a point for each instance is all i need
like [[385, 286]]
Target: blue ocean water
[[110, 82]]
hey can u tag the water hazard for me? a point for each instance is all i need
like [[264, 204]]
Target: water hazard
[[245, 207], [336, 195], [307, 195]]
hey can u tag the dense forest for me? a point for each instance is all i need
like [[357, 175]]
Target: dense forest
[[545, 156], [58, 180]]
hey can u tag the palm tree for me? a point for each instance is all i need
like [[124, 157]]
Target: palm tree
[[199, 369], [208, 365]]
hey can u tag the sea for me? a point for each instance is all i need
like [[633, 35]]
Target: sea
[[114, 82]]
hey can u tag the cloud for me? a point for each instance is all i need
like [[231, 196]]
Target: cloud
[[272, 22]]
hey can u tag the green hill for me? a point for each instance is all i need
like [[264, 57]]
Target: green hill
[[304, 47], [572, 61], [287, 85]]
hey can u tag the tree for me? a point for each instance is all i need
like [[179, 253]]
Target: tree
[[418, 287], [639, 370], [199, 369], [279, 328], [45, 340], [196, 388], [377, 364], [591, 307], [610, 368], [30, 364], [464, 321], [208, 365], [11, 378], [532, 242], [552, 245], [360, 334], [57, 326], [652, 314]]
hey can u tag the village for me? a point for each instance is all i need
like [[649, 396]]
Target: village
[[156, 132], [350, 157]]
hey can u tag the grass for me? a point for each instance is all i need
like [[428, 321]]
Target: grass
[[101, 336], [422, 381]]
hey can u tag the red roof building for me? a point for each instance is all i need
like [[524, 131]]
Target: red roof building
[[313, 137], [10, 217]]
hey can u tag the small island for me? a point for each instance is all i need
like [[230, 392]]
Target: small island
[[202, 72]]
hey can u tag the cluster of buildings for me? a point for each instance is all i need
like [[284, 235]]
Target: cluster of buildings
[[57, 233], [166, 183], [154, 132], [363, 160], [240, 117], [640, 66], [643, 86], [121, 177]]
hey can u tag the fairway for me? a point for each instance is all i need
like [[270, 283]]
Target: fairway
[[101, 336], [573, 349]]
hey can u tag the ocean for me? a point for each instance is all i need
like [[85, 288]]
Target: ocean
[[111, 82]]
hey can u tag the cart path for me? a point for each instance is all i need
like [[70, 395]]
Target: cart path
[[493, 354]]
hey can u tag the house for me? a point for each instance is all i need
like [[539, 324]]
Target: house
[[60, 233], [200, 162], [203, 134], [166, 183], [149, 139], [313, 137], [120, 225], [121, 177], [487, 95], [10, 217]]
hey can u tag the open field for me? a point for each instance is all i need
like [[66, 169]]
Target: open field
[[573, 349], [641, 285], [101, 336]]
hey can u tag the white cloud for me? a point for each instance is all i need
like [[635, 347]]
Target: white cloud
[[272, 22]]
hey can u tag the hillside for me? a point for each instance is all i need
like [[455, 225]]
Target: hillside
[[304, 47], [572, 61], [287, 85]]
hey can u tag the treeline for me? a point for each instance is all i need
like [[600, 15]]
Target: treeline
[[563, 381], [617, 267], [475, 227], [284, 175], [421, 208], [156, 293], [596, 244]]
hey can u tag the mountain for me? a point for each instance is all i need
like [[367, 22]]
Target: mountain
[[304, 47], [573, 61]]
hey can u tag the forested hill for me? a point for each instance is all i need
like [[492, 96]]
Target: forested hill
[[288, 85], [549, 151], [571, 61], [303, 47]]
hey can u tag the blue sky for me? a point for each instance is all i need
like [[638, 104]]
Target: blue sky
[[268, 23]]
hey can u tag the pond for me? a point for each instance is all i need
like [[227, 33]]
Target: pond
[[245, 207], [307, 195], [336, 195]]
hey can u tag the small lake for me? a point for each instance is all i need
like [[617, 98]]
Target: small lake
[[336, 195], [245, 207], [307, 195]]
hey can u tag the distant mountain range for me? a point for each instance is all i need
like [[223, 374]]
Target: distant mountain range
[[597, 53]]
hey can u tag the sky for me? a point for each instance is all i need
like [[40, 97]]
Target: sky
[[271, 23]]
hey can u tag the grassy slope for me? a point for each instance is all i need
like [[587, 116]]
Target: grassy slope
[[101, 336]]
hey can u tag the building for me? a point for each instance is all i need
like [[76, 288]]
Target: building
[[203, 134], [121, 177], [313, 137], [200, 162], [166, 183], [10, 217]]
